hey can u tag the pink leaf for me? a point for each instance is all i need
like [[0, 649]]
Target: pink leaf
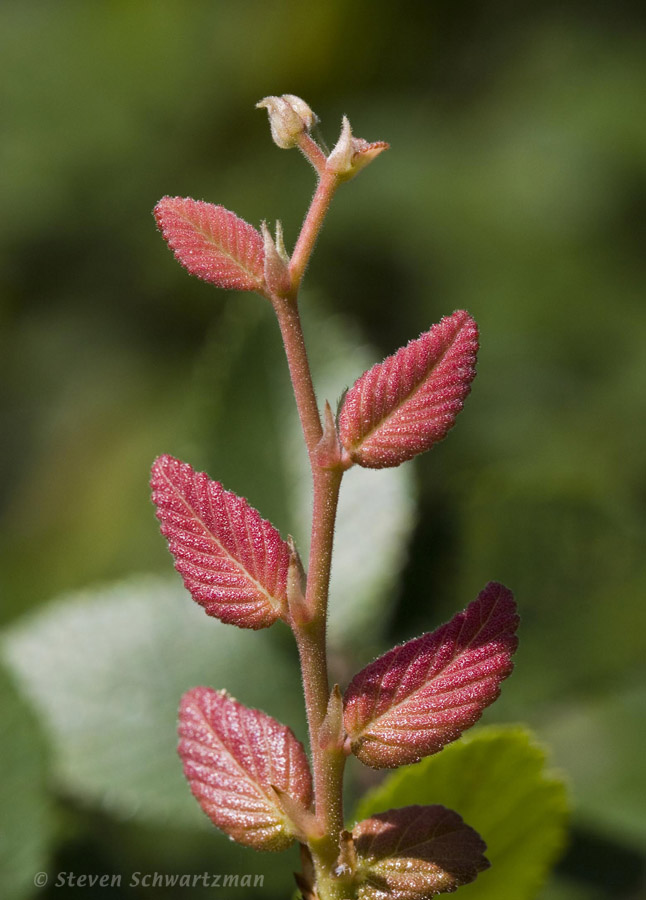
[[232, 757], [233, 562], [423, 694], [212, 242], [416, 852], [407, 403]]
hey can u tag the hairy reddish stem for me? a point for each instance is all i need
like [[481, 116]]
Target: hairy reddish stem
[[311, 636], [328, 183], [328, 762], [312, 152], [289, 321]]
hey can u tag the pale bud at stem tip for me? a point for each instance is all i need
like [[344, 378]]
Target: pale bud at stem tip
[[352, 154], [289, 117]]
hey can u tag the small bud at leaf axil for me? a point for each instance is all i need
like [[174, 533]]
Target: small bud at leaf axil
[[296, 585], [328, 451], [276, 270], [332, 733], [301, 821], [289, 117], [280, 243], [346, 864]]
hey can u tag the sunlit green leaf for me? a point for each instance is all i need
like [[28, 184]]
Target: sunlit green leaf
[[496, 780]]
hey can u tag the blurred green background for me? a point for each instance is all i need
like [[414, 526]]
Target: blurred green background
[[515, 188]]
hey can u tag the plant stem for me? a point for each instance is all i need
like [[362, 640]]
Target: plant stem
[[328, 759], [328, 183], [327, 762], [310, 636], [312, 152], [291, 330], [288, 316]]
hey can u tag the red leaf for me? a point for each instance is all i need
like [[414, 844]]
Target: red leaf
[[407, 403], [232, 756], [423, 694], [212, 243], [233, 562], [416, 852]]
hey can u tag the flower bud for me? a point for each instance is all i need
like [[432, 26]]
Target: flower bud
[[289, 117], [351, 154]]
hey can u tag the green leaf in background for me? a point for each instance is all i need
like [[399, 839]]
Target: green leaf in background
[[496, 780], [376, 509], [602, 744], [246, 414], [516, 518], [235, 413], [106, 670], [26, 816], [583, 683]]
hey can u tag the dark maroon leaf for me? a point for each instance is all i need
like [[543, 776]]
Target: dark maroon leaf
[[416, 852]]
